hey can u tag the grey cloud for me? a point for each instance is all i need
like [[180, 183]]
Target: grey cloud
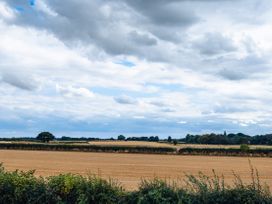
[[21, 82], [83, 22], [87, 22], [158, 103], [125, 100], [214, 43], [166, 13], [249, 66], [142, 39], [232, 74], [167, 20], [122, 31], [168, 110], [230, 109]]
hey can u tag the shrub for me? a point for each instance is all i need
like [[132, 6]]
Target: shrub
[[154, 191], [21, 187], [175, 142], [244, 147], [69, 188]]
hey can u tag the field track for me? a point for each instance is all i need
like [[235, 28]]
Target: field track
[[130, 168]]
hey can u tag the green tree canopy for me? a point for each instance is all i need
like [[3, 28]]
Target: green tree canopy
[[169, 139], [121, 137], [45, 136]]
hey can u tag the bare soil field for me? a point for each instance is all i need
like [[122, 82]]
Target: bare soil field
[[128, 169]]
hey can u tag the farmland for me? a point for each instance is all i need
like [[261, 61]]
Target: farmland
[[165, 144], [117, 143], [130, 168]]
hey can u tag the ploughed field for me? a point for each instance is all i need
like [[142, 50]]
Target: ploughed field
[[128, 169]]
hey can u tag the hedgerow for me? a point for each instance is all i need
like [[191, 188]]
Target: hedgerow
[[88, 148], [23, 188], [258, 152]]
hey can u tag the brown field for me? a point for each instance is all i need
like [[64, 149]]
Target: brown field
[[142, 143], [164, 144], [130, 168], [130, 143]]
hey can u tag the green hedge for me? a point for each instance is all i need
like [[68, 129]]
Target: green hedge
[[88, 148], [139, 149], [226, 152], [23, 188]]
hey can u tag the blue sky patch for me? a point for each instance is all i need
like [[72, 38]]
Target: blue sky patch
[[19, 8], [32, 2], [116, 91], [126, 63]]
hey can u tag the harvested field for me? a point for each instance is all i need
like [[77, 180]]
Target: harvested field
[[165, 144], [130, 168], [131, 143], [139, 144]]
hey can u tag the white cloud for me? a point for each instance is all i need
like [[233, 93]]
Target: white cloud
[[59, 60], [6, 12], [74, 92]]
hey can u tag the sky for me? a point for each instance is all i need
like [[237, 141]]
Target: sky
[[100, 68]]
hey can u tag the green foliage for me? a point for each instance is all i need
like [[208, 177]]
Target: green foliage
[[88, 148], [175, 142], [19, 187], [148, 139], [244, 147], [45, 136], [121, 137], [213, 190], [231, 138], [154, 191], [69, 188], [169, 139]]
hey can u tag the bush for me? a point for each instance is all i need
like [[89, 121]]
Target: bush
[[156, 191], [244, 147], [21, 187], [69, 188], [175, 142]]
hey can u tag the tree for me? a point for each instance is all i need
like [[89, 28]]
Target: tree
[[156, 139], [45, 136], [169, 139], [121, 137], [175, 142]]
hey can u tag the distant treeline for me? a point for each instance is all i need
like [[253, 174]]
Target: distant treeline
[[148, 139], [76, 139], [224, 139], [63, 138], [229, 139]]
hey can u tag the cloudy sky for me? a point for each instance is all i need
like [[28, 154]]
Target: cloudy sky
[[135, 67]]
